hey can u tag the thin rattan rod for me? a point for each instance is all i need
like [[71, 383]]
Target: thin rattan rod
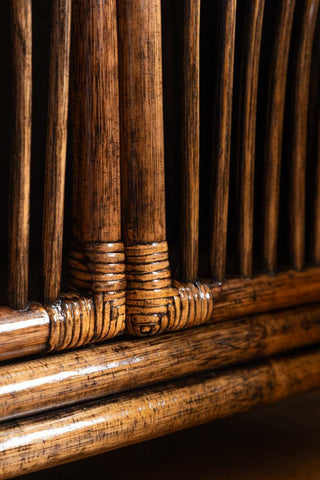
[[222, 139], [191, 141], [56, 148], [299, 134], [274, 131], [21, 154], [247, 130]]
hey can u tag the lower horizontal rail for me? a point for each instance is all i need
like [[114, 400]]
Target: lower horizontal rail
[[77, 432], [93, 372], [39, 329]]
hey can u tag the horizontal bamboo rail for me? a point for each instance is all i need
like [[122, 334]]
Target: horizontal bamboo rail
[[77, 432], [29, 387], [69, 322]]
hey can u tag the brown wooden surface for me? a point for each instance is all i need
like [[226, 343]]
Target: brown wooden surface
[[299, 133], [95, 123], [21, 154], [142, 148], [24, 332], [77, 432], [191, 141], [56, 148], [222, 138], [274, 129], [51, 382], [76, 320], [279, 441], [247, 129], [239, 297], [96, 259]]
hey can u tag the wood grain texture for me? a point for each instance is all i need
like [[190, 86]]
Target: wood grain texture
[[247, 129], [75, 320], [142, 147], [191, 141], [274, 131], [96, 258], [299, 133], [21, 154], [58, 99], [29, 387], [222, 139], [78, 432], [95, 122], [24, 332], [240, 297]]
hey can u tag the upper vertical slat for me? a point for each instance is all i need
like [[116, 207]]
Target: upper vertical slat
[[299, 133], [247, 130], [21, 154], [56, 148], [191, 140], [274, 129], [142, 144], [95, 122], [222, 139]]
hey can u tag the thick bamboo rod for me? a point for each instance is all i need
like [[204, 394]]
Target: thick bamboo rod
[[29, 332], [95, 123], [191, 141], [222, 139], [247, 130], [299, 133], [142, 148], [96, 259], [21, 154], [29, 387], [274, 129], [56, 148], [78, 432]]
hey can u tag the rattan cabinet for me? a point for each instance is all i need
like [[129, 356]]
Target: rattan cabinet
[[164, 219]]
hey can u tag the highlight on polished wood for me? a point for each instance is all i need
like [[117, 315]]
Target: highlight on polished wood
[[228, 246], [89, 429], [47, 383]]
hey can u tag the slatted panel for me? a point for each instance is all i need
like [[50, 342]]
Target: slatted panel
[[247, 100]]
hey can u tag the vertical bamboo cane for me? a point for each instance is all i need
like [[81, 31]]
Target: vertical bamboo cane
[[56, 148], [247, 131], [299, 133], [142, 145], [191, 141], [222, 139], [21, 156], [274, 129], [97, 257]]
